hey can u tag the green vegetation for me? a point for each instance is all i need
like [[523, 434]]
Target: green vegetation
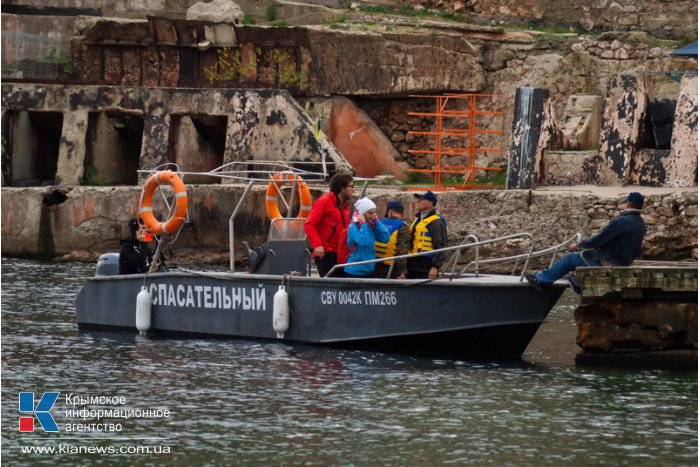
[[64, 63], [418, 178], [248, 20], [488, 178], [335, 19], [555, 41], [666, 43], [411, 13], [90, 178], [280, 23], [229, 66], [271, 11], [492, 177]]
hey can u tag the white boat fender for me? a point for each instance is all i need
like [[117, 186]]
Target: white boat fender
[[143, 310], [280, 312]]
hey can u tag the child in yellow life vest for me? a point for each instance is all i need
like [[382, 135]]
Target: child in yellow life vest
[[428, 232], [398, 244]]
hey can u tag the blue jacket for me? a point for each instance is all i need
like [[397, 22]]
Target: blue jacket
[[361, 240], [619, 242]]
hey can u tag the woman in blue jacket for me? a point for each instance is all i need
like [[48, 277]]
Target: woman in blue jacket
[[362, 233]]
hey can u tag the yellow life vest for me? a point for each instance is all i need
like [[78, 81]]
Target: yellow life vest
[[422, 241], [385, 250]]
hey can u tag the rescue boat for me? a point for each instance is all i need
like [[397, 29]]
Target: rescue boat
[[465, 313]]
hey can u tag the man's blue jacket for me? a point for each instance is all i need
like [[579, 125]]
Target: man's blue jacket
[[619, 242]]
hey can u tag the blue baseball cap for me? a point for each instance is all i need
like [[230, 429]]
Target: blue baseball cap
[[395, 206], [429, 195], [636, 198]]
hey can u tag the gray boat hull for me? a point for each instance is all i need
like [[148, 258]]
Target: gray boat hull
[[465, 317]]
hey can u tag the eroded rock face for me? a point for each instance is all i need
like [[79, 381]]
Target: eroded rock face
[[665, 19]]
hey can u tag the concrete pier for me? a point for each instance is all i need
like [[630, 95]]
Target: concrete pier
[[642, 315]]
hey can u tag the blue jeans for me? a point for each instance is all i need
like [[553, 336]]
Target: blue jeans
[[564, 265]]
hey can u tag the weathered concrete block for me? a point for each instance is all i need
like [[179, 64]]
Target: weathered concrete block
[[649, 167], [534, 129], [360, 140], [192, 151], [566, 168], [581, 127], [262, 124], [156, 139], [682, 165], [71, 152], [622, 117]]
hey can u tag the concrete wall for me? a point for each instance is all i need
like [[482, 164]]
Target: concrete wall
[[262, 125], [55, 222]]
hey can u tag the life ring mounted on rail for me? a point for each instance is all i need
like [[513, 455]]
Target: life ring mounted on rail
[[273, 191], [164, 177]]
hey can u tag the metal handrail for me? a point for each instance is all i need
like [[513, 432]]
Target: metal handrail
[[458, 248], [425, 253], [457, 253], [527, 256], [266, 179]]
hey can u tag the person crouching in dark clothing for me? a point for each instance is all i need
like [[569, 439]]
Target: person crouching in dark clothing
[[134, 253]]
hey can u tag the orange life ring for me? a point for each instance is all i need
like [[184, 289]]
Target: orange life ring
[[171, 225], [271, 195]]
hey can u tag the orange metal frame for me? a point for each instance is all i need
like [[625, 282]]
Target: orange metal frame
[[470, 134]]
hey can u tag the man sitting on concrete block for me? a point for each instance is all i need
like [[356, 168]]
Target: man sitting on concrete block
[[617, 244]]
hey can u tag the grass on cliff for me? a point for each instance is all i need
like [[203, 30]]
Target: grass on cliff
[[411, 13]]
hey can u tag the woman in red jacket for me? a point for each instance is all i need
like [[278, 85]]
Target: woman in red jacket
[[329, 215]]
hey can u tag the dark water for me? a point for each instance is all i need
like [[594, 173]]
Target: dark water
[[245, 402]]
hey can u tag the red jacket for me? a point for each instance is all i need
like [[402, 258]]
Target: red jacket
[[326, 219]]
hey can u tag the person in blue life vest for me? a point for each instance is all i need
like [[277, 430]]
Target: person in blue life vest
[[398, 244], [428, 232], [616, 244], [365, 229]]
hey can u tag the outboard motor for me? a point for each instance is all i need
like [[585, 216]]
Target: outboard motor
[[108, 265], [255, 256]]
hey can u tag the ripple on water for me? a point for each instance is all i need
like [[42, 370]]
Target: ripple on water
[[253, 403]]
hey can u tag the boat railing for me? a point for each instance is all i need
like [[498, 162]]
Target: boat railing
[[260, 172], [253, 172], [525, 257], [472, 242]]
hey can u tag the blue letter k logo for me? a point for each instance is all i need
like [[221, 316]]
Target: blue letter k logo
[[48, 399]]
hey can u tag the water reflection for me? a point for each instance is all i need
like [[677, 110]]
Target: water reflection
[[238, 401]]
